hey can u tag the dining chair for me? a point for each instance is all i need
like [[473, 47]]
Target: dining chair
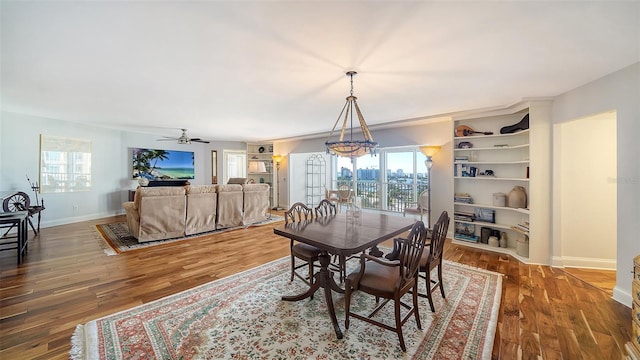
[[331, 195], [324, 209], [432, 258], [299, 212], [419, 207], [390, 280], [345, 195]]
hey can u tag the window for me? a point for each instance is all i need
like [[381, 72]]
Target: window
[[235, 164], [387, 181], [65, 164]]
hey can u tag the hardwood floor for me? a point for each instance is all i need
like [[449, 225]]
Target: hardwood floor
[[67, 279]]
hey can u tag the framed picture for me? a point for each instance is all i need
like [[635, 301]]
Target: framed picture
[[486, 215], [214, 166], [465, 229]]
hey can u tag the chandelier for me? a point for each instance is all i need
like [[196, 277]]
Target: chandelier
[[350, 147]]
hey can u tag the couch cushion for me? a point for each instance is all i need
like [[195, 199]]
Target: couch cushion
[[229, 187], [201, 189], [256, 187]]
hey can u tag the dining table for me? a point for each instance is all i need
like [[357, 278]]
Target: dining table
[[345, 235]]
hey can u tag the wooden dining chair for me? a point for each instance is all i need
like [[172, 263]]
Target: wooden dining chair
[[299, 212], [432, 259], [390, 280], [324, 209]]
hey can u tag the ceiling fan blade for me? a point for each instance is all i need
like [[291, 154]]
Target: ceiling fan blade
[[200, 140], [167, 139]]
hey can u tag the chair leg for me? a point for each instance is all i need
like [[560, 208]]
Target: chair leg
[[440, 280], [347, 303], [415, 304], [429, 290], [293, 266], [396, 304], [310, 273]]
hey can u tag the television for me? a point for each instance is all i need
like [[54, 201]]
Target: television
[[154, 164]]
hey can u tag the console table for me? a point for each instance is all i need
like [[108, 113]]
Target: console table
[[10, 220]]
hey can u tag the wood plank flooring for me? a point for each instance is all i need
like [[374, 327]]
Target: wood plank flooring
[[67, 279]]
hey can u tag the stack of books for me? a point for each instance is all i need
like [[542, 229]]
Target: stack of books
[[463, 198], [463, 216], [522, 228], [470, 238], [461, 158]]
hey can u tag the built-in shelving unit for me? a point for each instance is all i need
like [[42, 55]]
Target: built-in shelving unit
[[261, 153], [484, 167]]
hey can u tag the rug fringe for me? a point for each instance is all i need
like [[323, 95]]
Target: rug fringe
[[77, 344], [493, 323]]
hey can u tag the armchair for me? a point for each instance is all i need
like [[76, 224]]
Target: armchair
[[157, 213], [201, 208], [419, 207], [230, 202]]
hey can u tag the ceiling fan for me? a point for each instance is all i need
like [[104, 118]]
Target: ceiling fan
[[184, 138]]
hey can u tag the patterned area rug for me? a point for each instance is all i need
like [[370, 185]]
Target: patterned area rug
[[115, 238], [243, 317]]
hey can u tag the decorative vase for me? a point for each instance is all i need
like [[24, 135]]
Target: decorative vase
[[503, 240], [518, 197], [493, 241]]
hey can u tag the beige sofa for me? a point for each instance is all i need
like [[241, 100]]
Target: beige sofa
[[157, 213], [255, 203], [202, 205], [166, 212]]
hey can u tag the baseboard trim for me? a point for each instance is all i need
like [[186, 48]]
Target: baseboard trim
[[585, 263]]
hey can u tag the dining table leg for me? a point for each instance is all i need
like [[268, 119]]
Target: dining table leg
[[323, 278]]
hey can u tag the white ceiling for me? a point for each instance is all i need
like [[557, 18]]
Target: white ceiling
[[273, 69]]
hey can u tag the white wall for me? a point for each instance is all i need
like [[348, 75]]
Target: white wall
[[586, 220], [111, 164], [435, 133], [618, 92]]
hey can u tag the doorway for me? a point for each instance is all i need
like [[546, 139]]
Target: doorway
[[585, 192], [234, 165]]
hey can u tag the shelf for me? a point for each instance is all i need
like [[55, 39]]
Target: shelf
[[520, 210], [489, 178], [522, 132], [508, 251], [492, 162], [494, 148], [487, 224]]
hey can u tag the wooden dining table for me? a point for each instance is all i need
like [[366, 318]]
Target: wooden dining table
[[341, 234]]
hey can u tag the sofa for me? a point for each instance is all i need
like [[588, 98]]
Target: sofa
[[166, 212]]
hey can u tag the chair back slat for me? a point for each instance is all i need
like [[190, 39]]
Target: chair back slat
[[438, 237], [325, 208], [298, 212], [411, 252]]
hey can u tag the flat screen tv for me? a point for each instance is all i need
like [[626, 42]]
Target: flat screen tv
[[155, 164]]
